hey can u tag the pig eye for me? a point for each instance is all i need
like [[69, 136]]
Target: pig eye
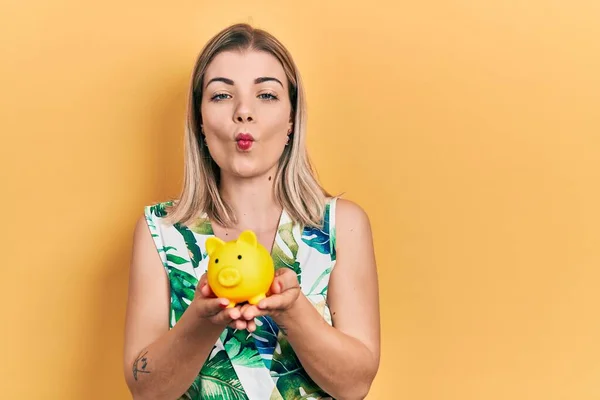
[[239, 257], [217, 261]]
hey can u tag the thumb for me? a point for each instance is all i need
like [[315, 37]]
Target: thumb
[[284, 280], [277, 286]]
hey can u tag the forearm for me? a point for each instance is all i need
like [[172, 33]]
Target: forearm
[[340, 364], [166, 368]]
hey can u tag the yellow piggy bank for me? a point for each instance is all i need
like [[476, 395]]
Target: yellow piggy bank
[[239, 270]]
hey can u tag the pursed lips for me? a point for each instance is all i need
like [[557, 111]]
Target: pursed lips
[[244, 141]]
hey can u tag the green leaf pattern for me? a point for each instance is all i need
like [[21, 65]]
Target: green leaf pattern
[[285, 250], [217, 380], [236, 369]]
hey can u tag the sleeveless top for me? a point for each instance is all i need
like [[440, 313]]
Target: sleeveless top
[[243, 365]]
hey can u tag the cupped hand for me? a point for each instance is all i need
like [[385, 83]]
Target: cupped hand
[[283, 294], [215, 310]]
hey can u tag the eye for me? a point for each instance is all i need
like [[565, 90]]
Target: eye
[[239, 257], [219, 97], [217, 261], [268, 96]]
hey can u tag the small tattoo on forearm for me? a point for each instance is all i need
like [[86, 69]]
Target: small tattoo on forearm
[[140, 364]]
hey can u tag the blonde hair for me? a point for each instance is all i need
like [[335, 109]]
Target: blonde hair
[[296, 187]]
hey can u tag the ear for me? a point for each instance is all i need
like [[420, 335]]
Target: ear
[[213, 244], [248, 237]]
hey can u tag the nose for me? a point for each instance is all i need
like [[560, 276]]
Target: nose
[[229, 277], [243, 112]]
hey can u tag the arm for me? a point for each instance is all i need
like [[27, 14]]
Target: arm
[[160, 363], [343, 360]]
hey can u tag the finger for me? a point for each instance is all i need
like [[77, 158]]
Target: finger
[[233, 317], [244, 308], [285, 279], [226, 316], [238, 324], [276, 281], [281, 271], [211, 307], [234, 324], [203, 289], [283, 283], [252, 312], [270, 303], [249, 312], [279, 301], [199, 286], [233, 313], [275, 287], [206, 290], [251, 326]]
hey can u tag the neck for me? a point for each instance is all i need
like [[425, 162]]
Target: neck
[[252, 200]]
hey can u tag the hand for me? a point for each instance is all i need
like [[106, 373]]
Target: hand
[[283, 294], [213, 309]]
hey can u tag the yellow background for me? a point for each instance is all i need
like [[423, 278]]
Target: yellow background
[[469, 131]]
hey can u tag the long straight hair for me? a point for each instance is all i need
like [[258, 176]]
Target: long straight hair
[[296, 186]]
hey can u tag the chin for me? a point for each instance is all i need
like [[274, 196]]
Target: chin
[[248, 170], [246, 174], [247, 166]]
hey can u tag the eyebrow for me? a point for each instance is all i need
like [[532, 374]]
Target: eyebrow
[[256, 81]]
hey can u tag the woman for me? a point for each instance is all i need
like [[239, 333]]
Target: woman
[[316, 335]]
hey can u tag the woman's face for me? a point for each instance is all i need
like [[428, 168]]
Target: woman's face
[[245, 112]]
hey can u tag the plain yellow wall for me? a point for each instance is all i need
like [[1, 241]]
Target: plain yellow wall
[[469, 131]]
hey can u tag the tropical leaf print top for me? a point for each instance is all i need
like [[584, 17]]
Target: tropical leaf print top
[[261, 365]]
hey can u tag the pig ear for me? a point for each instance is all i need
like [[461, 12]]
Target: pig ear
[[213, 244], [248, 237]]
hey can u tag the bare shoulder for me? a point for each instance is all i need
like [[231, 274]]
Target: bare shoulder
[[144, 251], [349, 208], [352, 223], [353, 237], [141, 228], [142, 237]]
